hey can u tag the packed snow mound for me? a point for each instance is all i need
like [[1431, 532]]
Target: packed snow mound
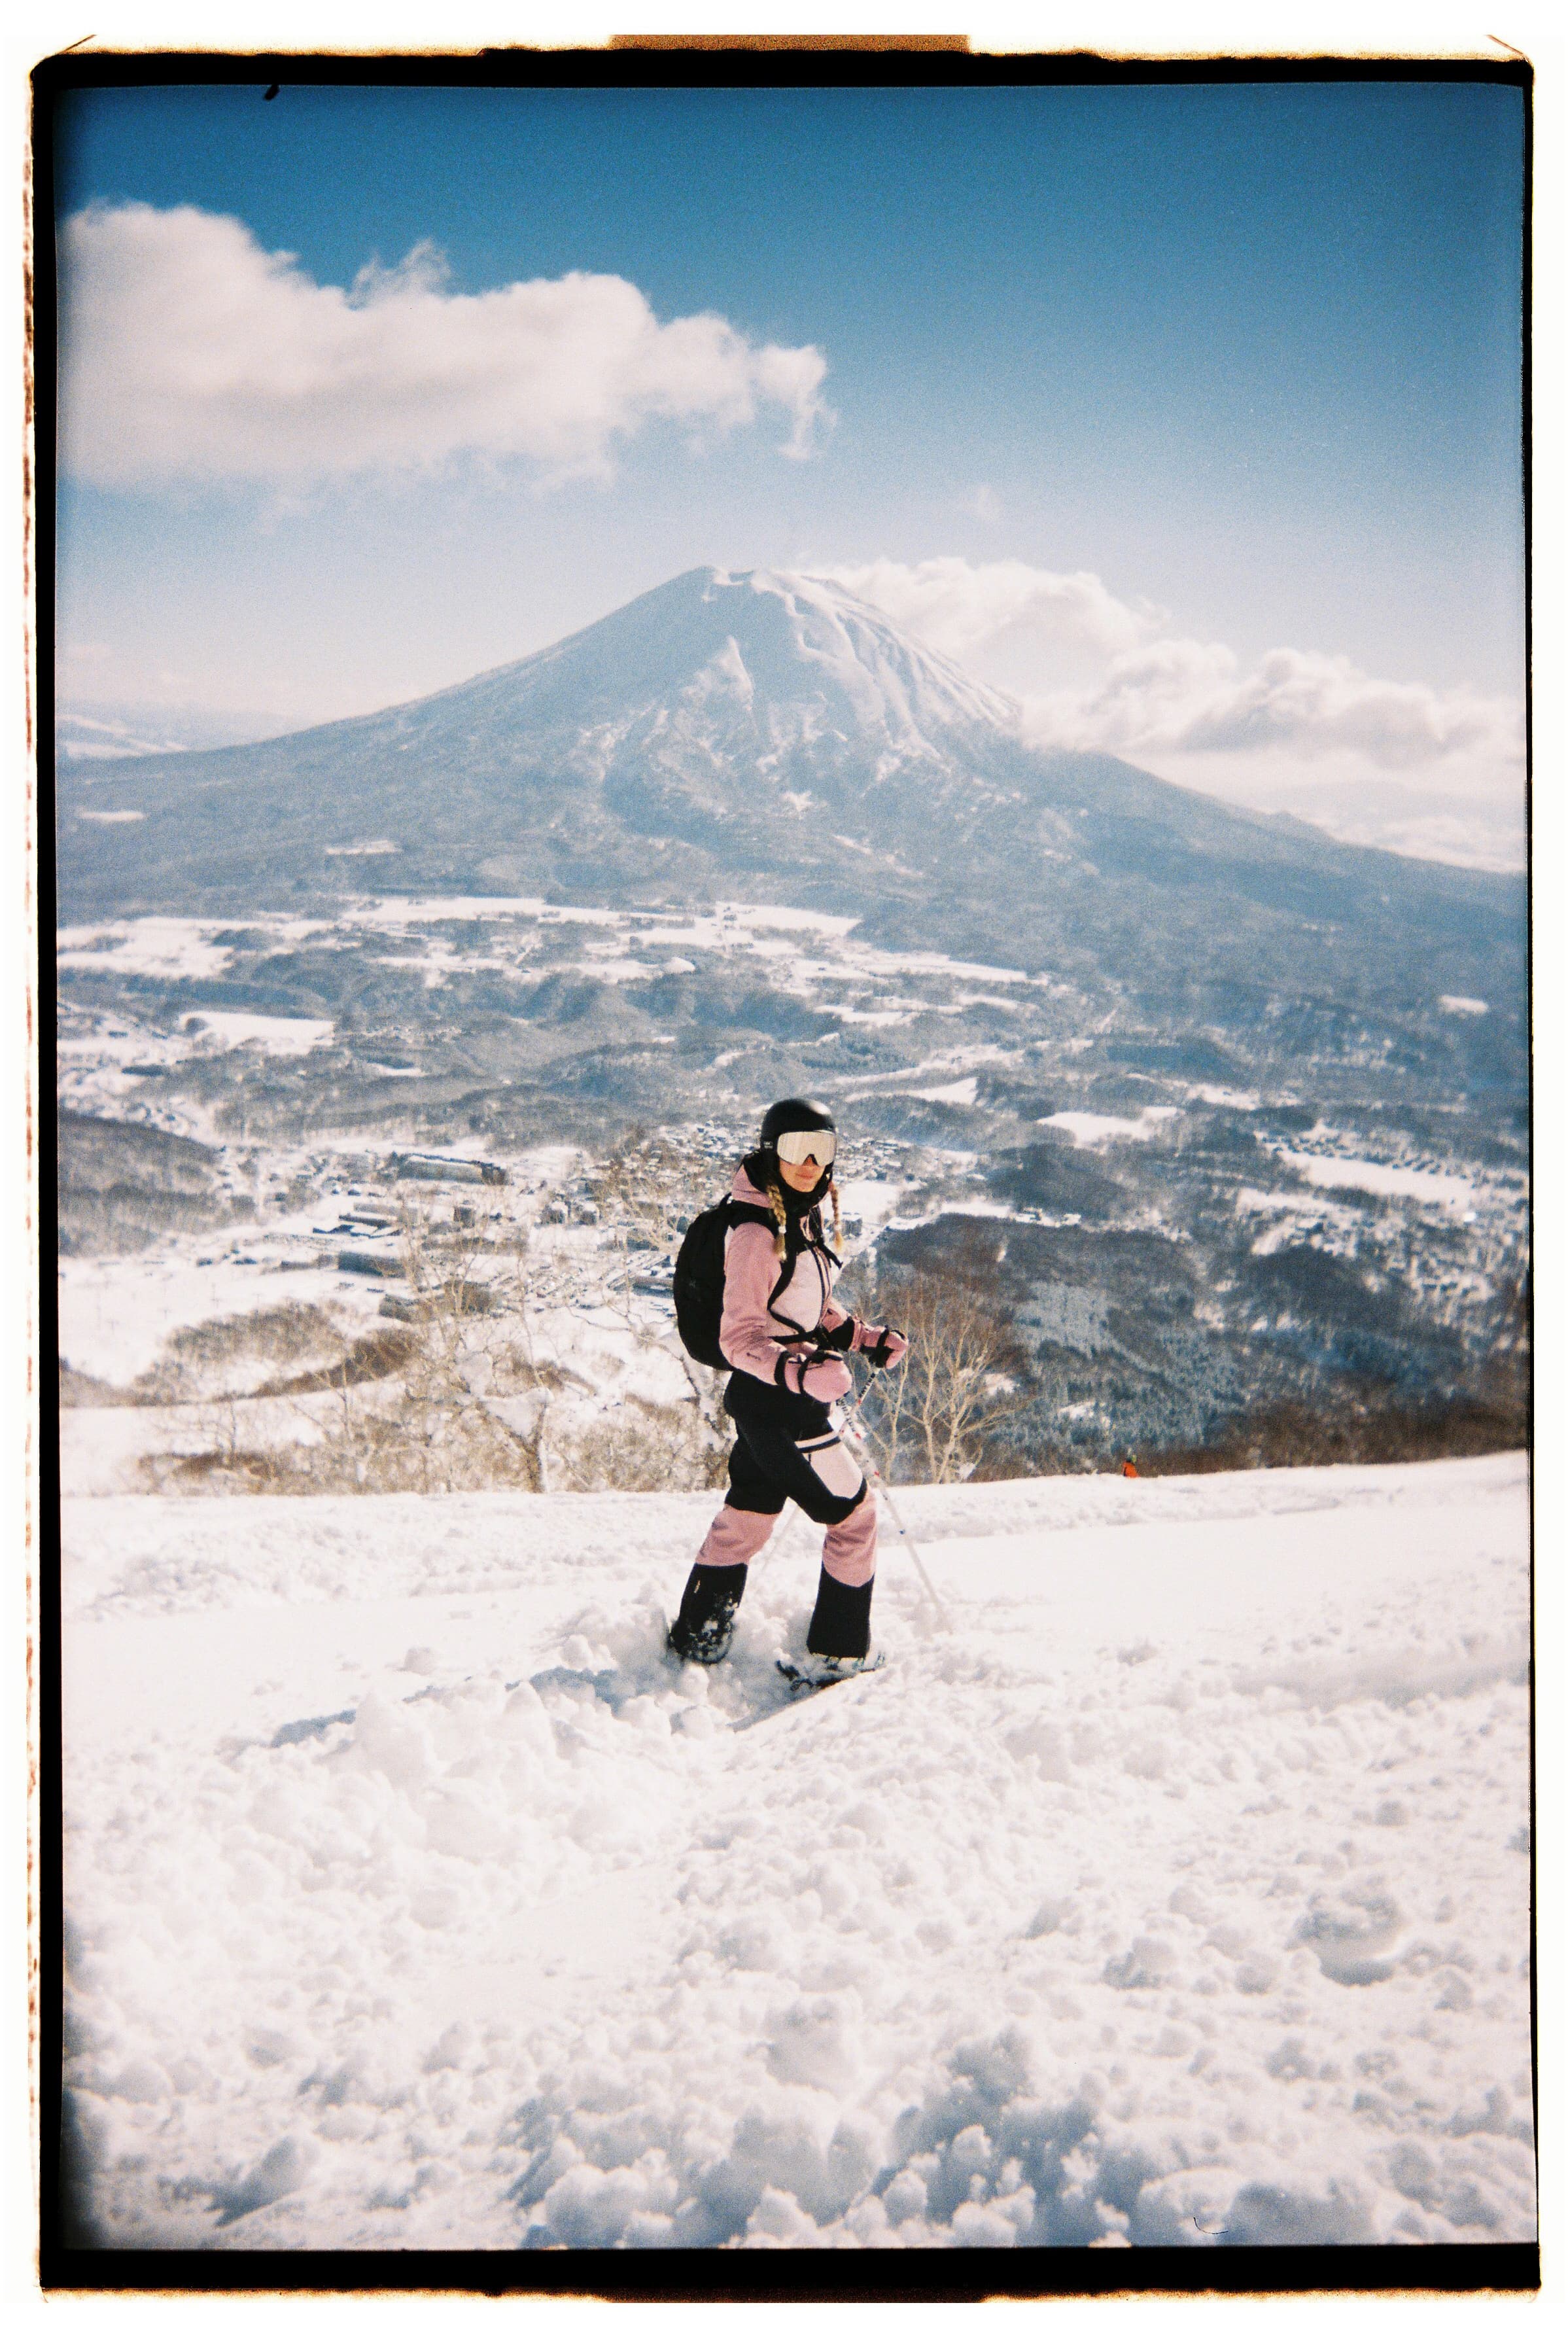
[[415, 1898]]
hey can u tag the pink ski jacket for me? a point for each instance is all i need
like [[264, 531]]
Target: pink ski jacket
[[758, 1326]]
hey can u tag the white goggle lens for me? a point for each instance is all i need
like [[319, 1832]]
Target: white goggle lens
[[798, 1145]]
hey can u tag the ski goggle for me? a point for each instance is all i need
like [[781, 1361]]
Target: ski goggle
[[796, 1145]]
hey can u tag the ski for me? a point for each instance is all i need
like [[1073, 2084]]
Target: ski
[[805, 1684]]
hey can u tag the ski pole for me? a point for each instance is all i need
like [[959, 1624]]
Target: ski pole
[[867, 1460]]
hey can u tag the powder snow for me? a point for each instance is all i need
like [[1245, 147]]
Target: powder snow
[[416, 1898]]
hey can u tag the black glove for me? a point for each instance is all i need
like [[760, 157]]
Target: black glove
[[888, 1348], [839, 1339]]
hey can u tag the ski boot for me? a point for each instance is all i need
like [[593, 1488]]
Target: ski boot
[[840, 1629], [703, 1631], [838, 1641]]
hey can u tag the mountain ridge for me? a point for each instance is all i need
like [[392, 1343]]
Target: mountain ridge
[[767, 735]]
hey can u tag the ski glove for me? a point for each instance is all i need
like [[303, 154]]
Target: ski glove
[[824, 1377], [881, 1344]]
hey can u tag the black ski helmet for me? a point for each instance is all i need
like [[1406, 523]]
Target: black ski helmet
[[792, 1112]]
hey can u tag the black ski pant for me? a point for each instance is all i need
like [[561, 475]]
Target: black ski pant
[[787, 1450]]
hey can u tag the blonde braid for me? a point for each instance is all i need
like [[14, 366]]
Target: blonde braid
[[776, 1201], [833, 1198]]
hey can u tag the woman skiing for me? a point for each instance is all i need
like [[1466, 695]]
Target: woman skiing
[[779, 1330]]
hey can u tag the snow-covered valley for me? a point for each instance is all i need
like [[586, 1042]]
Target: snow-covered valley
[[1191, 1266], [416, 1899]]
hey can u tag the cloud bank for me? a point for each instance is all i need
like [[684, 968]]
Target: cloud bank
[[1152, 692], [972, 610], [1411, 764], [191, 354], [1193, 697]]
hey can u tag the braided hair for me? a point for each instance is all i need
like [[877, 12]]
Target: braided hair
[[781, 1218]]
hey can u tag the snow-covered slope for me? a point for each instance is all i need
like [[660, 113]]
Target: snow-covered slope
[[1180, 1896], [727, 669]]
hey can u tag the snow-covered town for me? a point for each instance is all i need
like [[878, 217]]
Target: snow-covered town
[[1180, 1254]]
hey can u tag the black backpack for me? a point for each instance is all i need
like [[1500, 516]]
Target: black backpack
[[698, 1288]]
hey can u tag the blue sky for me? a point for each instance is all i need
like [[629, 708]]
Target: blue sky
[[1247, 354]]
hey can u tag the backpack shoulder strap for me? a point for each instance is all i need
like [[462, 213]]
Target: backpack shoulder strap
[[742, 1214]]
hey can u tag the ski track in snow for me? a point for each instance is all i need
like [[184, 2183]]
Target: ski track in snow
[[416, 1898]]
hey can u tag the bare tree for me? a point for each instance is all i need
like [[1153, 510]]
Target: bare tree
[[482, 1391], [651, 1182], [937, 1409], [471, 1295], [483, 1348]]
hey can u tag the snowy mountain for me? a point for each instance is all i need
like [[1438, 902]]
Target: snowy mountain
[[769, 736], [750, 681], [719, 719]]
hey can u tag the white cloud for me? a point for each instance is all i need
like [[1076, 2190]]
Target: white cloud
[[189, 353], [1150, 693], [985, 611], [1410, 765], [1157, 693], [1186, 697]]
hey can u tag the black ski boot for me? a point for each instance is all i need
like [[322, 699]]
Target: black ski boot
[[702, 1632], [841, 1621]]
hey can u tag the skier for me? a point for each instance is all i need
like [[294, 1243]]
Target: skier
[[786, 1339]]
